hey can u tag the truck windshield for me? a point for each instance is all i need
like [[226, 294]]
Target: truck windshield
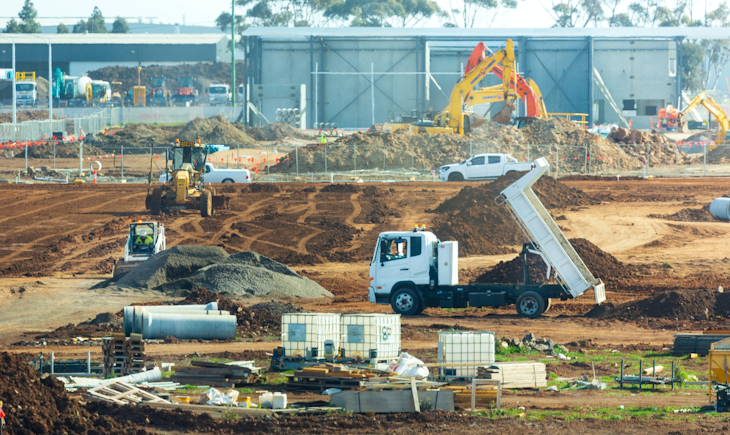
[[24, 87], [393, 249], [217, 90], [192, 156]]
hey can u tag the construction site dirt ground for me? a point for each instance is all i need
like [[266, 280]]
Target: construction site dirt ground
[[61, 240]]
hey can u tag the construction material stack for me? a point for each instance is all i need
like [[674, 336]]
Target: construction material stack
[[217, 374], [114, 349], [516, 375], [135, 354]]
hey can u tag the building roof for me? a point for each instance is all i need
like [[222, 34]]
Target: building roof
[[114, 38], [596, 32]]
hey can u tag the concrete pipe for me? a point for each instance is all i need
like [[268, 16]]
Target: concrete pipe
[[334, 126], [130, 321], [720, 208], [188, 326], [296, 111], [98, 166], [290, 111], [278, 112], [141, 315]]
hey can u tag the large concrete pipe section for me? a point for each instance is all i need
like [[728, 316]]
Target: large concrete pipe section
[[135, 312], [720, 208], [188, 326]]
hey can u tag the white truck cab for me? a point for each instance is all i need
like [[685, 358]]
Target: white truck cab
[[219, 94], [483, 167], [26, 93], [226, 176]]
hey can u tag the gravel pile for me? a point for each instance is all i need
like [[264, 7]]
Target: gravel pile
[[170, 265], [249, 274]]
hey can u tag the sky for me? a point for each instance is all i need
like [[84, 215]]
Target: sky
[[529, 13]]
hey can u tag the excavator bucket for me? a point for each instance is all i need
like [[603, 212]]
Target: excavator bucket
[[505, 114], [477, 121]]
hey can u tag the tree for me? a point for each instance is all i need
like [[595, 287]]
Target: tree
[[120, 26], [27, 17], [13, 26], [61, 28], [384, 13], [717, 51], [693, 57], [578, 13], [96, 23], [476, 13]]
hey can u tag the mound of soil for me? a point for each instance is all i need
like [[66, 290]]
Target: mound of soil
[[602, 264], [719, 155], [275, 131], [250, 274], [36, 404], [673, 305], [277, 308], [170, 265], [101, 325], [24, 115], [134, 136], [63, 150], [337, 187], [629, 136], [203, 73], [215, 130], [688, 215], [559, 131], [482, 227]]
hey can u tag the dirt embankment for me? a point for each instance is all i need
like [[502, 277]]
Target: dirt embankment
[[203, 73], [215, 130], [602, 264], [25, 115], [688, 215], [482, 227], [670, 305], [36, 404]]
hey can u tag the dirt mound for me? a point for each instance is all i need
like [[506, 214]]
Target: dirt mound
[[170, 265], [251, 322], [376, 150], [498, 134], [261, 187], [559, 131], [250, 274], [215, 130], [482, 227], [63, 150], [36, 404], [719, 155], [135, 135], [204, 74], [337, 187], [673, 305], [688, 215], [628, 136], [275, 131], [277, 308], [25, 115], [602, 264]]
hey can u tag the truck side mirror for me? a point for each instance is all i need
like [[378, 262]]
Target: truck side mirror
[[468, 163]]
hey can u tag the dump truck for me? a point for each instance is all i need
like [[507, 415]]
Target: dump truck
[[415, 270], [134, 252], [186, 188], [26, 89]]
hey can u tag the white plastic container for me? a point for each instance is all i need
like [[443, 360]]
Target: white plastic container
[[303, 332], [278, 401], [371, 336], [462, 347]]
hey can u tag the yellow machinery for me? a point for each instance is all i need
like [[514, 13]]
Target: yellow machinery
[[117, 99], [184, 188], [714, 109], [719, 364], [139, 92]]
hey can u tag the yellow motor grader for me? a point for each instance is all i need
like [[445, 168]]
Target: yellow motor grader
[[183, 182]]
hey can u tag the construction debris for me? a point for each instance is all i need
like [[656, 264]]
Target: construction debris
[[123, 355], [322, 377], [122, 394], [394, 401], [515, 375], [217, 374]]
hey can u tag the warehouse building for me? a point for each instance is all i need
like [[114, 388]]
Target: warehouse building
[[417, 68]]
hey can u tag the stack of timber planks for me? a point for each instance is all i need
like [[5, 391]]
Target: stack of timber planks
[[321, 377], [515, 375], [216, 374], [486, 395]]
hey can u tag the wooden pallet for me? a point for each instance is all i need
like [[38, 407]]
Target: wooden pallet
[[122, 394], [516, 375], [215, 374]]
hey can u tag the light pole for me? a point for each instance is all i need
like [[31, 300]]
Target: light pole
[[50, 84]]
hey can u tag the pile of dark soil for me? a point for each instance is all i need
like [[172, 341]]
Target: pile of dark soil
[[277, 308], [134, 136], [215, 130], [688, 215], [482, 227], [23, 115], [251, 322], [203, 73], [63, 150], [36, 404], [101, 325], [672, 305], [172, 264], [249, 274]]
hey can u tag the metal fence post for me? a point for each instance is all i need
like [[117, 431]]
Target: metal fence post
[[648, 161], [296, 153], [354, 157], [528, 152], [268, 161], [585, 158], [54, 155], [81, 157], [704, 164], [618, 162], [676, 158], [121, 157], [557, 162], [325, 159], [471, 150]]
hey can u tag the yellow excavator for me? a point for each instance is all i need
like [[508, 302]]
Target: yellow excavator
[[714, 109], [184, 187]]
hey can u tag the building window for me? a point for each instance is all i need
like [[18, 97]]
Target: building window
[[629, 105]]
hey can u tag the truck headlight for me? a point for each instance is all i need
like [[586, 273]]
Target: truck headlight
[[444, 168]]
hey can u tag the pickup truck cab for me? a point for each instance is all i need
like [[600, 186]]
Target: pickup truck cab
[[483, 167], [215, 175]]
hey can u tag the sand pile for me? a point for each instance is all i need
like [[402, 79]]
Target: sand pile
[[36, 404], [719, 155], [25, 115], [559, 131], [675, 304], [215, 130], [482, 227], [688, 215], [250, 274], [274, 132], [602, 264], [171, 265], [632, 137], [498, 134], [135, 135], [63, 150]]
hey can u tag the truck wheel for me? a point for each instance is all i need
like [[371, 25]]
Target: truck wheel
[[206, 203], [456, 177], [228, 181], [406, 302], [530, 305], [156, 201]]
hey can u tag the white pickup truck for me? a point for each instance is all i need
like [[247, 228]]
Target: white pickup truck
[[483, 167], [214, 175]]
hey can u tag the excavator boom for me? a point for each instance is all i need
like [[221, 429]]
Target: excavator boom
[[712, 107]]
